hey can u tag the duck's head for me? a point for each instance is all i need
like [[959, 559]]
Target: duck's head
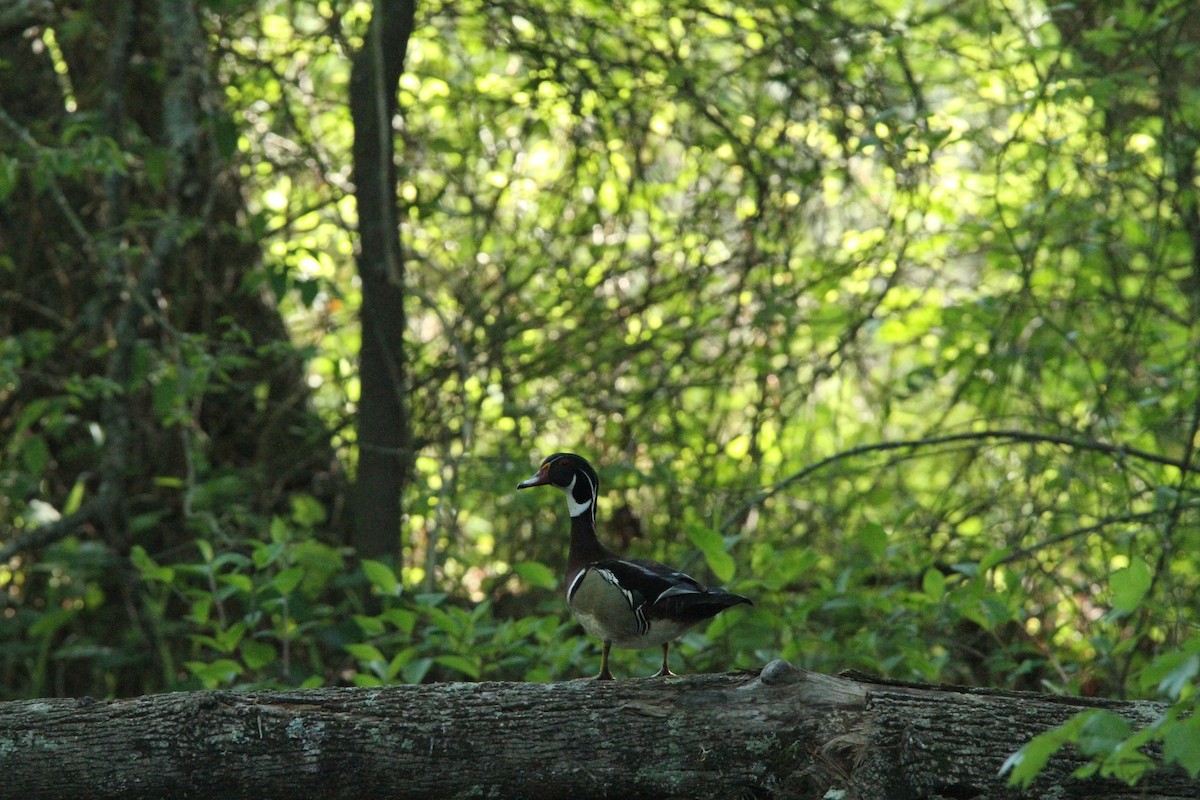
[[574, 475]]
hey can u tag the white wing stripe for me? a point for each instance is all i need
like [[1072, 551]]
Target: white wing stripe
[[611, 578], [678, 589]]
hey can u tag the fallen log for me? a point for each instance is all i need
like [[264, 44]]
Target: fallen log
[[781, 733]]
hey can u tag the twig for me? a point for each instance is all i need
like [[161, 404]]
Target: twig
[[43, 535], [1167, 545], [1017, 436], [1025, 552]]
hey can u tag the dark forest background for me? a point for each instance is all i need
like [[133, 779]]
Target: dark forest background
[[885, 314]]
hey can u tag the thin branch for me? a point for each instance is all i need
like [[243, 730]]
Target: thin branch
[[1167, 546], [16, 15], [73, 220], [1013, 436], [90, 512], [1025, 552]]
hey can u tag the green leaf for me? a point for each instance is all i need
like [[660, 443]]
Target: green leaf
[[148, 568], [35, 454], [1101, 732], [165, 396], [416, 670], [264, 555], [364, 652], [238, 581], [228, 639], [281, 531], [399, 661], [1178, 679], [710, 543], [382, 577], [206, 550], [934, 584], [307, 510], [286, 582], [371, 626], [993, 558], [75, 498], [403, 619], [1181, 745], [50, 621], [874, 539], [1024, 765], [256, 654], [459, 663], [201, 608], [221, 672], [536, 574], [1129, 585]]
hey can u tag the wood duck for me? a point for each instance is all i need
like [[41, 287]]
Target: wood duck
[[627, 602]]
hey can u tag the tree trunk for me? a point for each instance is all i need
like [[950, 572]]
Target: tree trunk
[[151, 394], [784, 733], [383, 429]]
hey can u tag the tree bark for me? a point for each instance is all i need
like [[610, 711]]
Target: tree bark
[[784, 733], [383, 427]]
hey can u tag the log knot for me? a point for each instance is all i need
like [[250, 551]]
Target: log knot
[[780, 673]]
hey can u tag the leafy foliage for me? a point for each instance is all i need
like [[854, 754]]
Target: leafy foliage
[[881, 314]]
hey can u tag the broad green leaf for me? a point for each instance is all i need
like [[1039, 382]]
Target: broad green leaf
[[459, 663], [1101, 732], [228, 639], [382, 577], [148, 567], [49, 621], [217, 673], [874, 539], [1024, 765], [416, 670], [286, 582], [536, 574], [200, 608], [993, 558], [281, 531], [399, 661], [1174, 673], [364, 652], [256, 654], [1130, 584], [206, 549], [1181, 745], [934, 584], [307, 511], [371, 626], [403, 619], [712, 545], [238, 581]]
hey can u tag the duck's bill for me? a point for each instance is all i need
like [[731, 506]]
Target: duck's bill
[[540, 479]]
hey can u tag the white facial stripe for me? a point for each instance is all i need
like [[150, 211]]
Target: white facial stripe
[[574, 507], [591, 485]]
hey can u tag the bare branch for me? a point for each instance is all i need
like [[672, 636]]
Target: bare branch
[[43, 536], [1118, 451]]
